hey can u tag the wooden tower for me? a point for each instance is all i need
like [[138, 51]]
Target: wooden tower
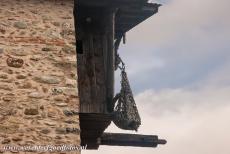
[[98, 24]]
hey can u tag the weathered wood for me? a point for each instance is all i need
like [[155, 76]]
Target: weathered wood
[[92, 127], [110, 58], [116, 139], [97, 25], [92, 77], [96, 63], [108, 3], [128, 17]]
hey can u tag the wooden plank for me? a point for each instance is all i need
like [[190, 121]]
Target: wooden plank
[[93, 63], [117, 139], [110, 3], [105, 59], [110, 30], [92, 77]]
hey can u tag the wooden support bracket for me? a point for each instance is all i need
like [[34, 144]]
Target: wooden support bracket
[[136, 140]]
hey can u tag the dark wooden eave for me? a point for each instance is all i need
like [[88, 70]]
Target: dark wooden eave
[[129, 14], [129, 17]]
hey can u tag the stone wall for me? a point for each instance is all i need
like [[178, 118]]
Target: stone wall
[[38, 88]]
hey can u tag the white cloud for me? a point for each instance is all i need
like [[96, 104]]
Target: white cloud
[[218, 78], [200, 124], [204, 20], [189, 37]]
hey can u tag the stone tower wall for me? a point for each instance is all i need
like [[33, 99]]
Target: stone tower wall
[[38, 87]]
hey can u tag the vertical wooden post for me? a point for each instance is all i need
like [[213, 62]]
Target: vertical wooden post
[[110, 58]]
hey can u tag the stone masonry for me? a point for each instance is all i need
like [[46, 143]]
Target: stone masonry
[[38, 88]]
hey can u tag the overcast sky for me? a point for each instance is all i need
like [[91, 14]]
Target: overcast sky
[[178, 62]]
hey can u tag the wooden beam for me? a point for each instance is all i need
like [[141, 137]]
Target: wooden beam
[[110, 30], [109, 3], [116, 139]]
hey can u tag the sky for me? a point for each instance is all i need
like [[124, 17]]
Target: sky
[[178, 63]]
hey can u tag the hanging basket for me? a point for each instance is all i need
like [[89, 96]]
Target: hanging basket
[[126, 115]]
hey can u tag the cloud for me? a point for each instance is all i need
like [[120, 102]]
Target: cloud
[[193, 121], [218, 78], [189, 38], [183, 18]]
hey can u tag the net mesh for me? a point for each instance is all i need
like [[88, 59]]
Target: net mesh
[[126, 114]]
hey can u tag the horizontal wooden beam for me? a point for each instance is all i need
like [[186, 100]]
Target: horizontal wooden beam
[[109, 2], [136, 140]]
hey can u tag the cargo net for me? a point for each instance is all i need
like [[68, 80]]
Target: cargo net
[[126, 115]]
